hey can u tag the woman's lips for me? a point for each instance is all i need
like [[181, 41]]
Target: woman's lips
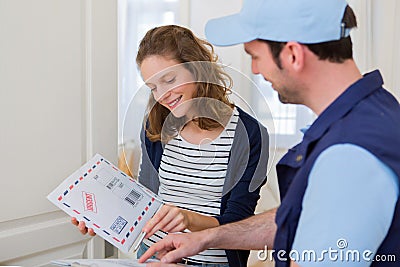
[[174, 103]]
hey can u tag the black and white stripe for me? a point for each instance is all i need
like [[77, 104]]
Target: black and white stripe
[[192, 177]]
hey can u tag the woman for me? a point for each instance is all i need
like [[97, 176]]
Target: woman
[[203, 155], [181, 71]]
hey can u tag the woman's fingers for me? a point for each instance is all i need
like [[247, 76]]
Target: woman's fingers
[[74, 221], [91, 232], [169, 218], [176, 225], [82, 227]]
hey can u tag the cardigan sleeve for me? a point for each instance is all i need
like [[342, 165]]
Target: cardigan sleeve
[[150, 161], [247, 170]]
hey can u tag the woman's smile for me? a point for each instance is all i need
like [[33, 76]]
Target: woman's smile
[[174, 103]]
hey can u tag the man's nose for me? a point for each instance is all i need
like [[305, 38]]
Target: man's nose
[[254, 67]]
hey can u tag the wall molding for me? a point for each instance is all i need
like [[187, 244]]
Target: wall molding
[[67, 59], [37, 235]]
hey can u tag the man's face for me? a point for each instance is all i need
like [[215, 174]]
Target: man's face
[[262, 62]]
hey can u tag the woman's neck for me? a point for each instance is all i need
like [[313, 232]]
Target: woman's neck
[[193, 134]]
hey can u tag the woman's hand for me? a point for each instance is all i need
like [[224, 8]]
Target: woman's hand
[[169, 219], [82, 227]]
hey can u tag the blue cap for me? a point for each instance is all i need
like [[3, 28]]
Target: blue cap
[[303, 21]]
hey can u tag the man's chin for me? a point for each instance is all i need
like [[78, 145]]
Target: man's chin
[[283, 99]]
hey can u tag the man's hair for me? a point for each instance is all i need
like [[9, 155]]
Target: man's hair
[[335, 51]]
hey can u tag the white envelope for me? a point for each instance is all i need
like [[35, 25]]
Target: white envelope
[[109, 201], [100, 263]]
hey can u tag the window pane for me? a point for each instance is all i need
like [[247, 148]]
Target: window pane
[[135, 18], [287, 119]]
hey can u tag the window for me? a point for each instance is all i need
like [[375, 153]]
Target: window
[[288, 119], [135, 18]]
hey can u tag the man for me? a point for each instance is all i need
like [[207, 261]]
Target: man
[[340, 186]]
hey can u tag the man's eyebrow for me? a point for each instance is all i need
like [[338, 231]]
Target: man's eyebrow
[[247, 51], [149, 84]]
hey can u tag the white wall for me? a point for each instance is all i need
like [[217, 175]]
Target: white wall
[[377, 39], [58, 106], [233, 56]]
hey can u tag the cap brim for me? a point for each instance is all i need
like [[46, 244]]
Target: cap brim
[[229, 30]]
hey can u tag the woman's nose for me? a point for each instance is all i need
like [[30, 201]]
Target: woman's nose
[[162, 94]]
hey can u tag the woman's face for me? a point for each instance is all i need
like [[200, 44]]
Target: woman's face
[[170, 83]]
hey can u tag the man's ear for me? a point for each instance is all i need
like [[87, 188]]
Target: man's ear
[[293, 54]]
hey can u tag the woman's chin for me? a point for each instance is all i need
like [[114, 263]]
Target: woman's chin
[[180, 111], [177, 114]]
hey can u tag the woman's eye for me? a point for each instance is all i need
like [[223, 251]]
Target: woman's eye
[[171, 80], [152, 88]]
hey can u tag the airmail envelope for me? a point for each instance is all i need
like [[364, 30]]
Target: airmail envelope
[[108, 200]]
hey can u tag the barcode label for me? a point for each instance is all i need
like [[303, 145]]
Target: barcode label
[[113, 182], [133, 197]]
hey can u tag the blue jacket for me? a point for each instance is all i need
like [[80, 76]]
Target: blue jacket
[[246, 173], [365, 115]]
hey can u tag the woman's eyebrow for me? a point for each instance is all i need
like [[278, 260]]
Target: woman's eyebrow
[[166, 74], [154, 79]]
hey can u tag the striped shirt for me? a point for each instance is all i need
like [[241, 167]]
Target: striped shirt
[[192, 178]]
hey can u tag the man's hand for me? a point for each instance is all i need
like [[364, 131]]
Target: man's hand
[[160, 264], [252, 233], [176, 246]]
